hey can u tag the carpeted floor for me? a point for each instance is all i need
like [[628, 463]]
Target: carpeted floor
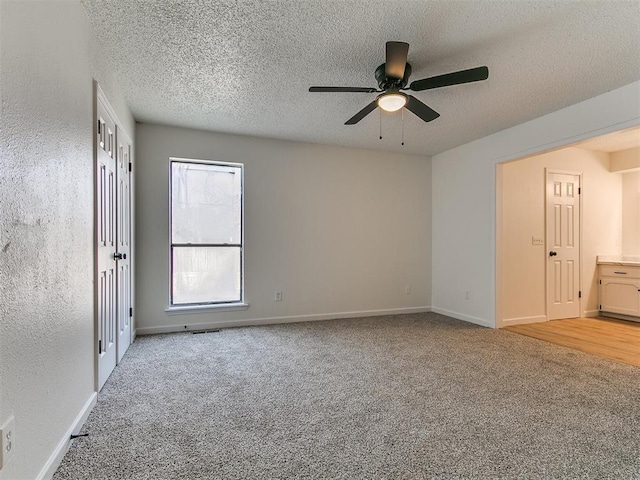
[[396, 397]]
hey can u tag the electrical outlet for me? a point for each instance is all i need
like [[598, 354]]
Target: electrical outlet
[[7, 441], [278, 297], [407, 289]]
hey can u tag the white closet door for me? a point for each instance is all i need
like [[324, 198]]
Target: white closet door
[[106, 243], [123, 235], [563, 244]]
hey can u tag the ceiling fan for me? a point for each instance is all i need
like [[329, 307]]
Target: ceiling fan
[[392, 77]]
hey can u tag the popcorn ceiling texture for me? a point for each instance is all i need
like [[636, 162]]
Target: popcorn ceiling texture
[[245, 66]]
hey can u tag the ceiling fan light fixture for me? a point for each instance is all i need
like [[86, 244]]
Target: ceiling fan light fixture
[[393, 75], [392, 102]]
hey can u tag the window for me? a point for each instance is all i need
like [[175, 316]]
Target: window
[[206, 233]]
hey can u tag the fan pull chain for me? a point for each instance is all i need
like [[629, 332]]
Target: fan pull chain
[[402, 123], [380, 110]]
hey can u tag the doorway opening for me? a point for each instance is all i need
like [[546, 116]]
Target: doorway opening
[[526, 268]]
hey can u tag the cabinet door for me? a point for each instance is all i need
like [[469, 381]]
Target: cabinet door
[[618, 295]]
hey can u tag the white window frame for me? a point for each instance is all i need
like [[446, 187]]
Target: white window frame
[[179, 309]]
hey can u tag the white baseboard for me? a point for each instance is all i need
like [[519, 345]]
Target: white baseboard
[[461, 316], [58, 454], [591, 313], [620, 316], [275, 320], [523, 320]]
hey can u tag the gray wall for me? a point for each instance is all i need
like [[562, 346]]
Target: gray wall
[[49, 59], [339, 231]]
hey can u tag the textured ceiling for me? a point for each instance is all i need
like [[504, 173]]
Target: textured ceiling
[[245, 66]]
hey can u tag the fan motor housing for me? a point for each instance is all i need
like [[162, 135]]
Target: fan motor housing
[[385, 83]]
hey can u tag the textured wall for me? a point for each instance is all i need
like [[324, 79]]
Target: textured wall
[[523, 215], [337, 230], [49, 58], [464, 196]]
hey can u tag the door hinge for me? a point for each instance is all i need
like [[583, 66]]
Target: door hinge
[[579, 293], [99, 347], [131, 168], [131, 311], [599, 307], [579, 188], [600, 282]]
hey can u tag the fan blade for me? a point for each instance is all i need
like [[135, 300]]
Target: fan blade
[[343, 89], [455, 78], [420, 109], [362, 113], [396, 59]]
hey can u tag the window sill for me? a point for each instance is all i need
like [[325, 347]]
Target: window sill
[[191, 309]]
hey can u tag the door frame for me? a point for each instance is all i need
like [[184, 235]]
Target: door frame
[[552, 171], [99, 95]]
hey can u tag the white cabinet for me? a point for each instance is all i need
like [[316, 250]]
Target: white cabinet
[[620, 289]]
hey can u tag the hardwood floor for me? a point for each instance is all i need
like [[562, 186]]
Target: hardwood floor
[[607, 337]]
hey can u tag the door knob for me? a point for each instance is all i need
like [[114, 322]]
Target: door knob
[[119, 256], [552, 253]]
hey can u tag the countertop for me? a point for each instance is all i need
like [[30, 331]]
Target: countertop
[[626, 260]]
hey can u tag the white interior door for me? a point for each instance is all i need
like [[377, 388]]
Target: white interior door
[[113, 240], [563, 245], [123, 236], [106, 292]]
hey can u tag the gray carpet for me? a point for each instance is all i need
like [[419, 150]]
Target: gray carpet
[[395, 397]]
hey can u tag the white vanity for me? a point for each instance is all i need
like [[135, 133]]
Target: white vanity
[[619, 286]]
